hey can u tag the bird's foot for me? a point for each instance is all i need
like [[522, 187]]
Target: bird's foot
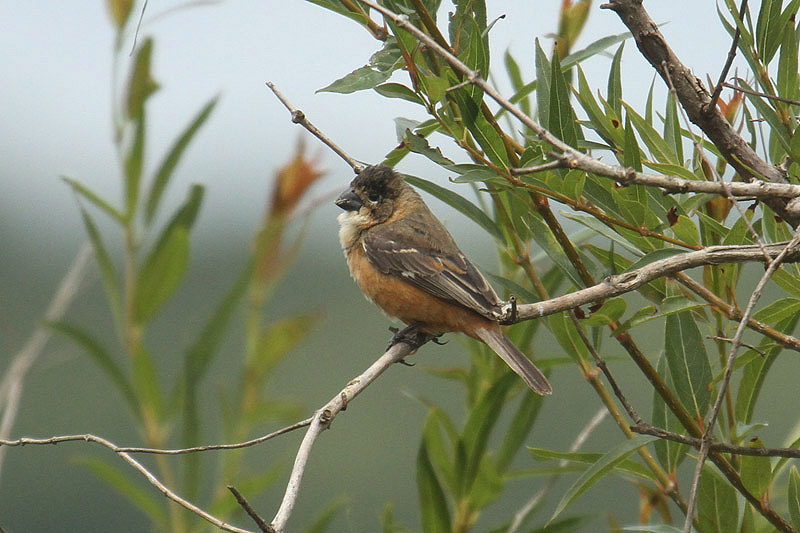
[[412, 336]]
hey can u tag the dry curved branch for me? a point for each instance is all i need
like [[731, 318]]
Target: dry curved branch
[[322, 420], [139, 467]]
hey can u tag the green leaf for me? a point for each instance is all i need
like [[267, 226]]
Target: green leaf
[[628, 466], [397, 90], [101, 357], [96, 200], [717, 510], [478, 427], [610, 312], [756, 471], [672, 127], [515, 75], [145, 383], [794, 497], [134, 161], [788, 79], [632, 157], [437, 423], [481, 129], [461, 204], [524, 418], [166, 264], [562, 120], [652, 139], [419, 145], [433, 504], [686, 230], [107, 271], [119, 479], [600, 468], [687, 360], [161, 273], [173, 157], [360, 79], [615, 81], [778, 310], [669, 453], [141, 84], [543, 73]]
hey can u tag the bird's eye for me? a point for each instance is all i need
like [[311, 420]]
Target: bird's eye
[[374, 197]]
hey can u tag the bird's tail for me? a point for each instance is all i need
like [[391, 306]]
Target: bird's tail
[[514, 358]]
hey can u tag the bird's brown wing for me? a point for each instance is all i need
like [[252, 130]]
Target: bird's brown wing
[[414, 249]]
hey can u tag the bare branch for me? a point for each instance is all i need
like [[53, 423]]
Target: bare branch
[[720, 447], [298, 117], [322, 420], [262, 525], [728, 62], [166, 491]]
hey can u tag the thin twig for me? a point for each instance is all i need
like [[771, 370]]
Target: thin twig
[[761, 95], [728, 62], [298, 117], [723, 387], [166, 491], [12, 384], [322, 420], [721, 447], [260, 522]]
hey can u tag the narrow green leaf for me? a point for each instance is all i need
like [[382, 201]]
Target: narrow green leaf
[[543, 70], [360, 79], [524, 418], [688, 364], [628, 466], [756, 471], [778, 310], [672, 127], [479, 425], [433, 504], [788, 78], [119, 479], [173, 157], [134, 161], [165, 265], [515, 75], [161, 273], [562, 121], [146, 384], [107, 271], [610, 312], [438, 425], [457, 202], [101, 357], [615, 81], [600, 468], [670, 454], [654, 141], [717, 510], [794, 497], [632, 157], [96, 200], [419, 144], [141, 84], [397, 90]]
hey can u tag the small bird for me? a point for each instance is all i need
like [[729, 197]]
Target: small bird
[[407, 263]]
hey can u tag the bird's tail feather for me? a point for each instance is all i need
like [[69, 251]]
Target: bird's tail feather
[[515, 359]]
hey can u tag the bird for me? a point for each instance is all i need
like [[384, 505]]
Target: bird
[[406, 262]]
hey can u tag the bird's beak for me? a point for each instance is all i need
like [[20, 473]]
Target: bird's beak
[[349, 201]]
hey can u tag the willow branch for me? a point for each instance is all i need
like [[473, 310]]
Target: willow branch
[[721, 447], [322, 420], [139, 467], [298, 117]]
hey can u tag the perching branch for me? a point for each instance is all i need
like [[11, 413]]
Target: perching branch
[[322, 420]]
